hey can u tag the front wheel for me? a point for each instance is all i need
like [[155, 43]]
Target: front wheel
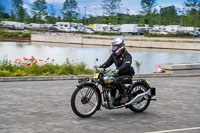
[[143, 104], [85, 101]]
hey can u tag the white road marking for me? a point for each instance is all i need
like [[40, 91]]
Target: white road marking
[[175, 130]]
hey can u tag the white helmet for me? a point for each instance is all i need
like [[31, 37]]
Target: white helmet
[[119, 43]]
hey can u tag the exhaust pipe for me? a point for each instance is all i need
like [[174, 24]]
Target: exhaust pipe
[[136, 99], [139, 97]]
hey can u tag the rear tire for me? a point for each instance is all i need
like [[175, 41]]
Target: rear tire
[[79, 96], [142, 105]]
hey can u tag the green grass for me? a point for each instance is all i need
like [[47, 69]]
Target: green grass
[[107, 33], [182, 35], [4, 34], [100, 33], [34, 67]]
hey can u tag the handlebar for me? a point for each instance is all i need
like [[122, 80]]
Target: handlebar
[[103, 70]]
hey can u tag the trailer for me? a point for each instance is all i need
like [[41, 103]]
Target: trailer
[[45, 26], [63, 24], [158, 28], [6, 24], [173, 28], [33, 26], [102, 27], [187, 29], [128, 29], [13, 25], [17, 26], [115, 28], [142, 30], [68, 27]]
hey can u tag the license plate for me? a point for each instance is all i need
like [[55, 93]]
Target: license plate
[[96, 76], [153, 91]]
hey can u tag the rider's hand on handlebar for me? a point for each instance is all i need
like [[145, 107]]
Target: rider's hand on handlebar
[[100, 69], [115, 72]]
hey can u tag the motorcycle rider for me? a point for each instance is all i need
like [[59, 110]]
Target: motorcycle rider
[[123, 72]]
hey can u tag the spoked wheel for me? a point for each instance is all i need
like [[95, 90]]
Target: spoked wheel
[[143, 104], [85, 101]]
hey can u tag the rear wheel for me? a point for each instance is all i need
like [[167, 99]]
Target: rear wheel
[[85, 101], [143, 104]]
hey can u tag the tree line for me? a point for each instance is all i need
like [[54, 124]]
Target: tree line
[[46, 13]]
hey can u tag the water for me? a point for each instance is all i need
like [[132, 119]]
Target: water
[[149, 58]]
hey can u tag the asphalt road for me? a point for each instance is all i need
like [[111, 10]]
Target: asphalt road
[[44, 107]]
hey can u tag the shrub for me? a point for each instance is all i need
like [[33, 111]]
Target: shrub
[[19, 73], [5, 34], [5, 73], [34, 67], [107, 33], [6, 65], [178, 34]]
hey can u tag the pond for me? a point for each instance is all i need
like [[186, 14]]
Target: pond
[[149, 58]]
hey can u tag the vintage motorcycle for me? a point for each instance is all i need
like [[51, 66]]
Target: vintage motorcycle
[[87, 98]]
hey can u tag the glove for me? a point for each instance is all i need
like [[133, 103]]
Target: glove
[[115, 72], [99, 69]]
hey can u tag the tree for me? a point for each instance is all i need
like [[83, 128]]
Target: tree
[[70, 10], [59, 19], [193, 14], [148, 5], [18, 9], [193, 4], [13, 16], [51, 16], [39, 10], [26, 15], [169, 15], [21, 14], [1, 9], [52, 11], [111, 7]]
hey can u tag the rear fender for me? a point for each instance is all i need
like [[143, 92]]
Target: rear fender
[[146, 85], [141, 82]]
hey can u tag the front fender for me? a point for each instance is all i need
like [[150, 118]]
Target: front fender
[[83, 84]]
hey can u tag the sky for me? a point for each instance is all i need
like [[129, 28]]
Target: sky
[[93, 7]]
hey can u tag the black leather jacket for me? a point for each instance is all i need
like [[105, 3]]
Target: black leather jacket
[[122, 63]]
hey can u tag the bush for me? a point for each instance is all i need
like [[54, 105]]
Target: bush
[[6, 65], [19, 73], [178, 34], [34, 67], [5, 34], [107, 33], [5, 73]]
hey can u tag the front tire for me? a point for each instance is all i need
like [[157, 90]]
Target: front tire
[[140, 87], [85, 101]]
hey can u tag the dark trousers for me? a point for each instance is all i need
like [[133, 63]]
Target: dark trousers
[[120, 81]]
